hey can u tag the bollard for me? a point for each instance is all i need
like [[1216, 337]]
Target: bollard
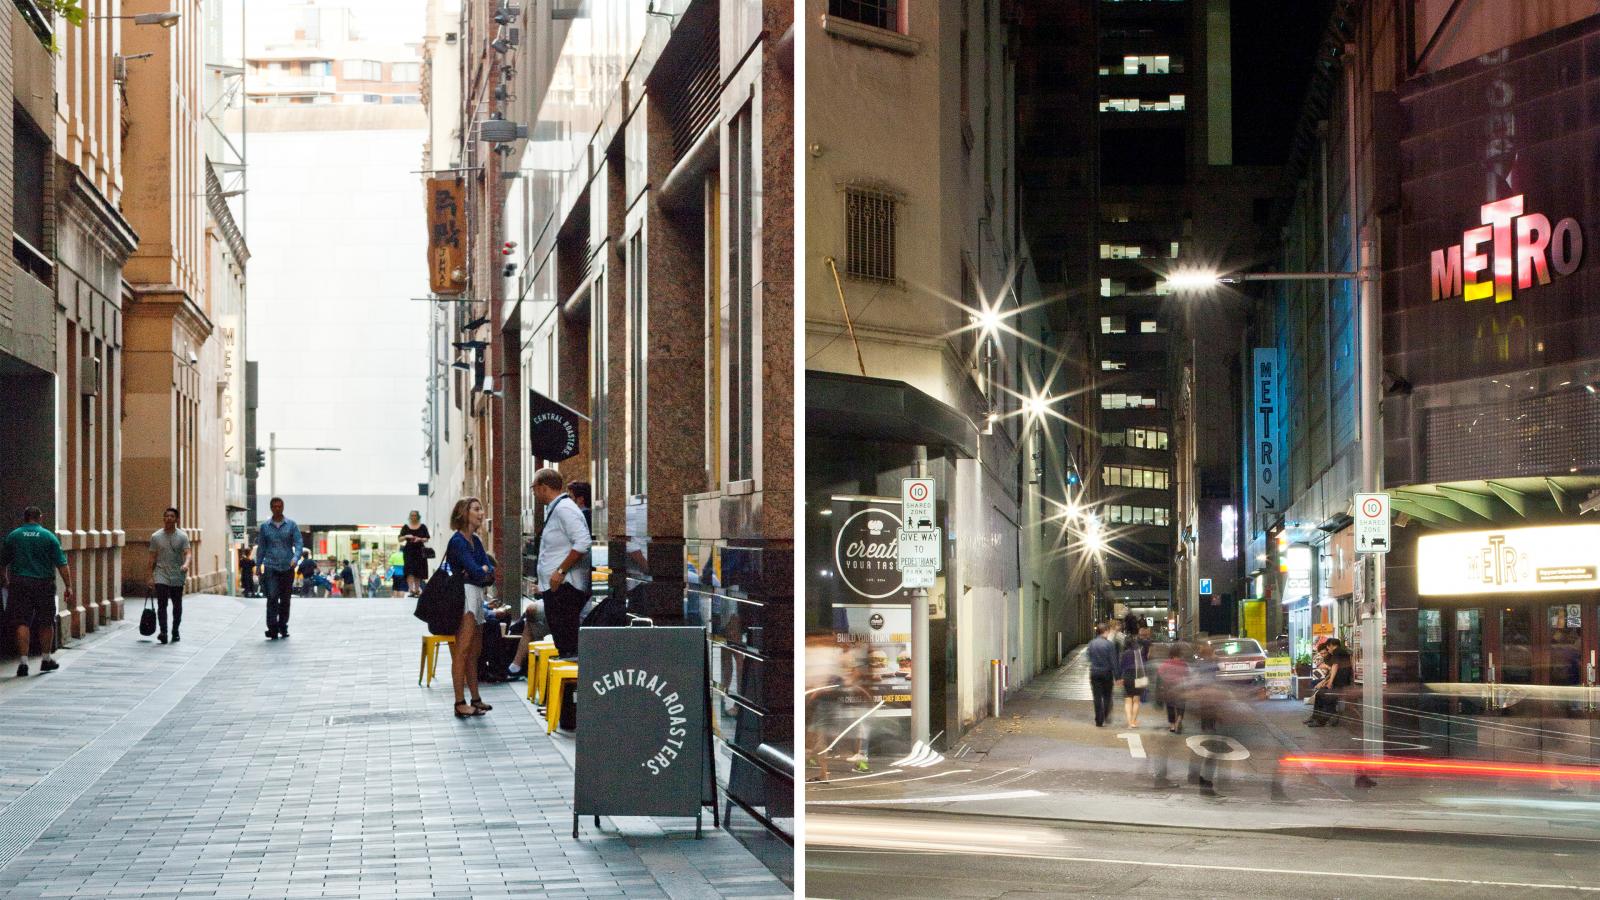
[[996, 687]]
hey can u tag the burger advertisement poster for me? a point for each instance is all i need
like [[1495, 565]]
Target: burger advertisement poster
[[880, 637]]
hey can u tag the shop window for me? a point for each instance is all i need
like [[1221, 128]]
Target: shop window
[[1431, 661], [600, 402], [742, 340], [1566, 644], [1113, 324], [1469, 646], [1112, 365], [638, 325], [31, 150], [1516, 646], [1149, 326]]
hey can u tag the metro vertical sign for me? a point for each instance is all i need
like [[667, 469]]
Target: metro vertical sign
[[1268, 467], [1524, 246]]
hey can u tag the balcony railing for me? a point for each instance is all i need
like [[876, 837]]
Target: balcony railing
[[40, 21]]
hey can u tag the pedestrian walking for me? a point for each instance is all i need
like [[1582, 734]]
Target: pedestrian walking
[[1173, 676], [397, 573], [169, 570], [1103, 668], [247, 573], [1134, 682], [466, 557], [307, 570], [414, 553], [278, 546], [31, 556], [562, 549], [347, 574]]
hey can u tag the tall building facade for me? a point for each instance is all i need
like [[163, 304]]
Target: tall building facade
[[1473, 221], [929, 351], [629, 255]]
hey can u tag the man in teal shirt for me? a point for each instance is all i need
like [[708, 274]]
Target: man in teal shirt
[[31, 555]]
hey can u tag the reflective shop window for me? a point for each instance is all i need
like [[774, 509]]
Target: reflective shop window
[[1469, 646], [1516, 646], [1432, 660], [1566, 644]]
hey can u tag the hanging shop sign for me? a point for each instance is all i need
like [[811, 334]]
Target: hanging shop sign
[[447, 236], [1508, 247], [866, 552], [1509, 561], [1264, 377], [1297, 573], [552, 428]]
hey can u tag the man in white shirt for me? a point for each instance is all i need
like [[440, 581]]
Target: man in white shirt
[[563, 555], [169, 570]]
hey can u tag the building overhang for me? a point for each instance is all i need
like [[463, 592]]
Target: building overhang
[[880, 409], [1499, 501]]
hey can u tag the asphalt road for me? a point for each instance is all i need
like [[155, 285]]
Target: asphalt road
[[882, 855]]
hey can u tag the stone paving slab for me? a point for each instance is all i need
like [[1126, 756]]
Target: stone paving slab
[[229, 766]]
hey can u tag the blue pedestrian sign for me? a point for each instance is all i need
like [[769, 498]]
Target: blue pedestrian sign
[[1205, 587]]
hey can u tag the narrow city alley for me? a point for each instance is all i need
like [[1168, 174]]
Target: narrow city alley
[[230, 766]]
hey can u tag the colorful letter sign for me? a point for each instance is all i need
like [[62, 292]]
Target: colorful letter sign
[[1508, 243], [1264, 376]]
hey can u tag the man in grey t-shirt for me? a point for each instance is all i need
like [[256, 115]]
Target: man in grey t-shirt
[[169, 568]]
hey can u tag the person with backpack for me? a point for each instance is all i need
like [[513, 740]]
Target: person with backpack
[[472, 564], [562, 551]]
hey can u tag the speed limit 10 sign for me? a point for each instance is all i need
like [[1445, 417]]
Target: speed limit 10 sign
[[1372, 523], [916, 504]]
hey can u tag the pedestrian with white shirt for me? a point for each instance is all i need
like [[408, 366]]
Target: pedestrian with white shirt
[[563, 553], [169, 569]]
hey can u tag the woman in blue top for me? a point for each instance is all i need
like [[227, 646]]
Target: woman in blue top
[[466, 558]]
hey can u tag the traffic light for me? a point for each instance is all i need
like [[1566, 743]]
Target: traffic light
[[258, 459]]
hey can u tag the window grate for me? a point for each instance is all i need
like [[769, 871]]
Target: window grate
[[877, 13], [870, 234]]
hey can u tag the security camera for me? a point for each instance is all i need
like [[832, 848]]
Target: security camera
[[193, 359]]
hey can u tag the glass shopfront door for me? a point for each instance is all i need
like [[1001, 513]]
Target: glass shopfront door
[[1469, 646]]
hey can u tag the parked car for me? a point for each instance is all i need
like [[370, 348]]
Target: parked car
[[1238, 659]]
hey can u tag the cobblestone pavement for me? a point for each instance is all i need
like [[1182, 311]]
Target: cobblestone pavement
[[229, 766]]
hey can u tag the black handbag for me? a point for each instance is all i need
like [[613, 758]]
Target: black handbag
[[443, 599], [147, 619]]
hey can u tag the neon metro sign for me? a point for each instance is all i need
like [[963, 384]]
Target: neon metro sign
[[1522, 245]]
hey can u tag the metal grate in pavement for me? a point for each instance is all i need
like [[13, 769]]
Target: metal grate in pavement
[[375, 718]]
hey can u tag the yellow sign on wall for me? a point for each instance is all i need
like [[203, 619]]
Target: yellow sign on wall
[[1253, 620]]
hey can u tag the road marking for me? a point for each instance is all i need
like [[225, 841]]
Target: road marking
[[995, 775], [859, 777], [1135, 743], [1297, 873], [965, 798]]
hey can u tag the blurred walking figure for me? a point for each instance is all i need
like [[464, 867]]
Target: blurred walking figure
[[169, 569], [348, 576], [466, 557], [414, 539], [397, 574], [31, 556], [1103, 670], [278, 548], [1174, 676], [247, 573], [837, 706], [1134, 681]]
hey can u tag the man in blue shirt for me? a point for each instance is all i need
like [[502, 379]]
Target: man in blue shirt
[[1102, 673], [278, 546]]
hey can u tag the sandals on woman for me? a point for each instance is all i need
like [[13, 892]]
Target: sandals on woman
[[471, 711], [481, 706]]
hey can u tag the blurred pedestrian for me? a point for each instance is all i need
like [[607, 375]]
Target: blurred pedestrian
[[1134, 682], [414, 553], [278, 547], [169, 569], [1173, 676], [31, 556], [1103, 668], [465, 556], [347, 574], [307, 570], [397, 574], [247, 573]]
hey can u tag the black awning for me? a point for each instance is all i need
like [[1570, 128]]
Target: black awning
[[879, 409]]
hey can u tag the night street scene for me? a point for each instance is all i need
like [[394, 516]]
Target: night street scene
[[397, 454], [1202, 448]]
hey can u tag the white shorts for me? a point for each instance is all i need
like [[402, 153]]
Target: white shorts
[[474, 604]]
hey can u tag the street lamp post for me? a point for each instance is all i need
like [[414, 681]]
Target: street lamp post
[[272, 460], [164, 19]]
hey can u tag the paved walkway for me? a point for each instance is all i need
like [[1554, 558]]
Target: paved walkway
[[229, 766]]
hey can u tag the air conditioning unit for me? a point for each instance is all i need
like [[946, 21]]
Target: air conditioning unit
[[89, 376], [500, 131]]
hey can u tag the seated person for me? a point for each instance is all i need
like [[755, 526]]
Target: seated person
[[533, 629]]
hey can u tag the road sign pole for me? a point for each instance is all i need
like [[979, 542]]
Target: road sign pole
[[919, 634]]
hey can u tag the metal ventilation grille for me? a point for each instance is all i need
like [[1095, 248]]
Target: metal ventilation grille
[[691, 105], [869, 233], [1548, 435]]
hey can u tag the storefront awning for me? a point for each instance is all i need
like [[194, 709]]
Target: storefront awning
[[1502, 501], [879, 409]]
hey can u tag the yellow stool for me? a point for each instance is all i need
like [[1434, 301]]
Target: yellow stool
[[430, 655], [560, 672], [542, 652]]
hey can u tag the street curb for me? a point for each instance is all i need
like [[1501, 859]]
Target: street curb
[[1322, 832]]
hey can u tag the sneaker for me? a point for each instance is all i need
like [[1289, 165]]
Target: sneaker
[[49, 665], [22, 671], [161, 638], [514, 671]]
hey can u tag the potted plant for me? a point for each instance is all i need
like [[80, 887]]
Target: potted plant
[[1302, 671]]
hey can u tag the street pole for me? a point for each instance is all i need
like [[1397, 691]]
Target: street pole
[[919, 636], [1374, 613], [272, 464]]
